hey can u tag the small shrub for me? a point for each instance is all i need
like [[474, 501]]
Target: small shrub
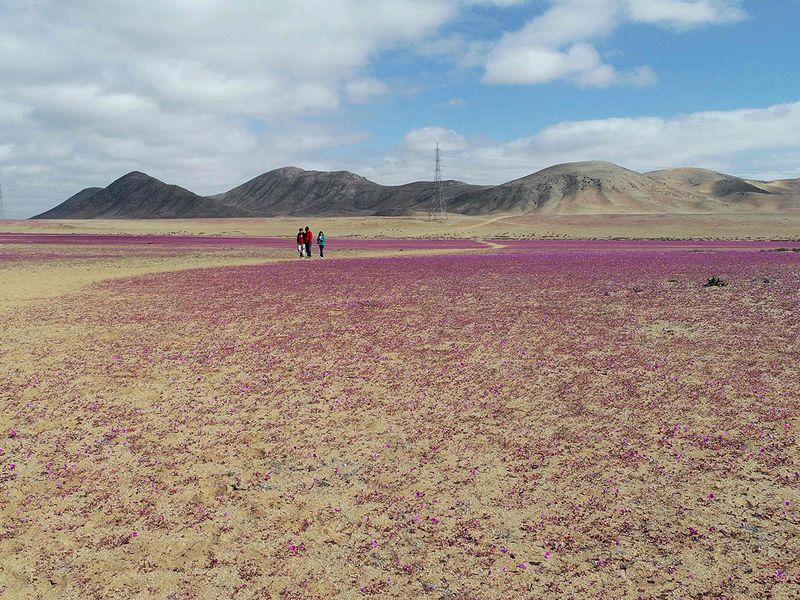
[[715, 282]]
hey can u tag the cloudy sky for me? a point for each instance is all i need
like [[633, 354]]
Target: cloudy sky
[[209, 93]]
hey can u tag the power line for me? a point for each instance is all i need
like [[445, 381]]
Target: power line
[[438, 208]]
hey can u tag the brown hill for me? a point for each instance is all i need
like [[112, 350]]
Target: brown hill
[[728, 193], [785, 198], [293, 191], [593, 187], [139, 196], [780, 186], [572, 188], [78, 204], [704, 182]]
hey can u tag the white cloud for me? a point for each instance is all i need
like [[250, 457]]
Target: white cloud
[[641, 76], [203, 94], [538, 64], [556, 44], [6, 151], [495, 2], [685, 13], [424, 140], [752, 142], [363, 90], [208, 94]]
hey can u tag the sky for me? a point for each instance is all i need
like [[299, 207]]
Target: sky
[[208, 94]]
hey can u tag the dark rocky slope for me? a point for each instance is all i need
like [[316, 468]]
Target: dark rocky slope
[[139, 196], [293, 191], [592, 187]]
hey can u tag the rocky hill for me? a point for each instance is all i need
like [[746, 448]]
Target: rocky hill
[[78, 204], [293, 191], [704, 182], [726, 192], [592, 187], [139, 196]]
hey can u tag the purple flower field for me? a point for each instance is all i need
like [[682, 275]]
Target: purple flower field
[[178, 241], [547, 419]]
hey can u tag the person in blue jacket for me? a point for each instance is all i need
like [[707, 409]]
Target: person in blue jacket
[[321, 240]]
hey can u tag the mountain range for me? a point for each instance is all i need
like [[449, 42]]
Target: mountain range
[[592, 187]]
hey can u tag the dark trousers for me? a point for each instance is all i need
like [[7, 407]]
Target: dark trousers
[[322, 251], [308, 249]]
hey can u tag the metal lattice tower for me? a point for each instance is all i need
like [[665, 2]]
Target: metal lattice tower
[[438, 209], [2, 208]]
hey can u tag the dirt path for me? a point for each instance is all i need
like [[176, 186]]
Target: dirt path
[[491, 244], [27, 282]]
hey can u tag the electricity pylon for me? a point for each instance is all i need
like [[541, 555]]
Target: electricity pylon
[[438, 208]]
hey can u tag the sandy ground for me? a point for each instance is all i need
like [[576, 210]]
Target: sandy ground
[[720, 226], [522, 422], [38, 272]]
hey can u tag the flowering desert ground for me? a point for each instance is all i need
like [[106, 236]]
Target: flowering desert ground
[[188, 410]]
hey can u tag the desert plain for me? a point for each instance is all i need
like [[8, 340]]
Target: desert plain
[[505, 407]]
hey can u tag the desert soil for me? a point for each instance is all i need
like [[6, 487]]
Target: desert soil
[[771, 226], [501, 419]]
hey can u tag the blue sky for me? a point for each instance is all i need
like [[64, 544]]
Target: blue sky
[[211, 93]]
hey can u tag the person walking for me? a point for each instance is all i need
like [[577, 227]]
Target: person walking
[[308, 238], [321, 240], [301, 242]]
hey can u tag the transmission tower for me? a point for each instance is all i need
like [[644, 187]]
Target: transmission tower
[[2, 208], [438, 209]]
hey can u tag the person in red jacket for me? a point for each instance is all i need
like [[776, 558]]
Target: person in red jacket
[[308, 238], [301, 242]]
